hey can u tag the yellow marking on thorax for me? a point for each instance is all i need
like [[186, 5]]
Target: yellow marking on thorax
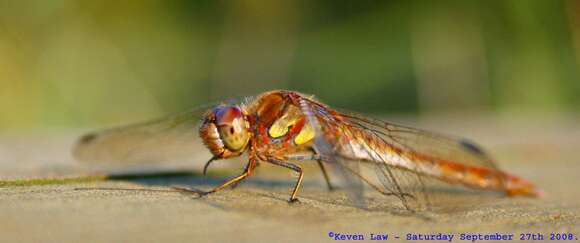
[[305, 135], [282, 126]]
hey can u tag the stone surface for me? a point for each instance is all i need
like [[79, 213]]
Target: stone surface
[[257, 211]]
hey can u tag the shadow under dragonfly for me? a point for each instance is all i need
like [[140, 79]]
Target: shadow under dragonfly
[[166, 182], [190, 179]]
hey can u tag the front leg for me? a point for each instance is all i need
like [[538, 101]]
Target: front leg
[[247, 172]]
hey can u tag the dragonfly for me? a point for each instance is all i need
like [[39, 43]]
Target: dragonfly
[[283, 127]]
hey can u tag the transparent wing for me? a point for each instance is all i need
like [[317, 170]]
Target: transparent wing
[[417, 192], [437, 146], [174, 137], [348, 172], [414, 190]]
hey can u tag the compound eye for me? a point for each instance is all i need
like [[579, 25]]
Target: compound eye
[[233, 140], [232, 127]]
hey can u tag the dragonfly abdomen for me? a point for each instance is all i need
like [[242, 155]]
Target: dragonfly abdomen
[[371, 148], [485, 178]]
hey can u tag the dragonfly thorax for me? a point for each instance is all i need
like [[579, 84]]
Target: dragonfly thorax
[[225, 131]]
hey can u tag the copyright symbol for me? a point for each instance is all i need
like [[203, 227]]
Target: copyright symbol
[[330, 234]]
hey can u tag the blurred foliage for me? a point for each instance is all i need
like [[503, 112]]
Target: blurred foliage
[[80, 63]]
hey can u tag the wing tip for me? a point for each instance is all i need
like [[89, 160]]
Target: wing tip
[[471, 146], [81, 143], [87, 138]]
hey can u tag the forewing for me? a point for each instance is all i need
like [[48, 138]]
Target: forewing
[[166, 139]]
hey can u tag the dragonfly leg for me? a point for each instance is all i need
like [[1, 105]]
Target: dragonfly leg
[[294, 168], [235, 184], [326, 178], [207, 164], [234, 181], [379, 189], [247, 172], [201, 193], [320, 164]]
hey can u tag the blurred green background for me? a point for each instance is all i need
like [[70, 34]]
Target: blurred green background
[[83, 63]]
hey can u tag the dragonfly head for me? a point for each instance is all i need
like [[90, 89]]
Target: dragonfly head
[[225, 131]]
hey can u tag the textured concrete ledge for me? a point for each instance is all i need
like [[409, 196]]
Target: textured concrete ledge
[[67, 210]]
